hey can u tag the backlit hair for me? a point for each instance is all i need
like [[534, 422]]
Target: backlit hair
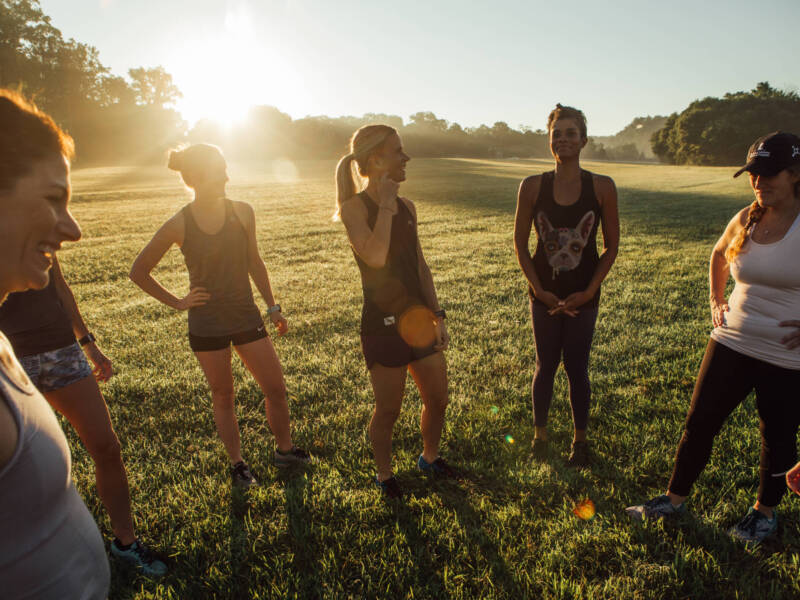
[[27, 135], [353, 166], [567, 112], [194, 161]]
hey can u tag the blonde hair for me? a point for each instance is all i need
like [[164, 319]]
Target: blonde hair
[[754, 216], [364, 142], [193, 161]]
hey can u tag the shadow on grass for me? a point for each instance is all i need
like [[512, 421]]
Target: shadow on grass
[[240, 559], [297, 482]]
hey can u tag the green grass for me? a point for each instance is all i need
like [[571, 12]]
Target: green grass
[[506, 532]]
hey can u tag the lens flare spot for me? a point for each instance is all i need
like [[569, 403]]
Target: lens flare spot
[[584, 510], [494, 410], [509, 439], [416, 327]]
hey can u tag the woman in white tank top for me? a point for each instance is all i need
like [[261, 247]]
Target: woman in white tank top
[[50, 547], [754, 342]]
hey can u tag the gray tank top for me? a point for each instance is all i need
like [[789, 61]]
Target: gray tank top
[[219, 263], [50, 547]]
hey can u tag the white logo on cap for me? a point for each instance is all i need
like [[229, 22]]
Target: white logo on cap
[[795, 151], [760, 151]]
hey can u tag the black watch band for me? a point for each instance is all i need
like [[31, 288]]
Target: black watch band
[[440, 314], [87, 339]]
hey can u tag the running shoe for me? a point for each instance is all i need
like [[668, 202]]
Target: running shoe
[[140, 556], [579, 457], [241, 476], [295, 456], [754, 527], [540, 449], [657, 508], [389, 487], [438, 467]]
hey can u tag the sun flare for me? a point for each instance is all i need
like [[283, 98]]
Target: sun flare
[[222, 77]]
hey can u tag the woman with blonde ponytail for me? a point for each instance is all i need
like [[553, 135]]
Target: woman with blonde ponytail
[[402, 324], [749, 347]]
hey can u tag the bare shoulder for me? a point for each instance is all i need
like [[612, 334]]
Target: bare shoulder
[[529, 189], [244, 211], [352, 207], [740, 218], [174, 226], [603, 185]]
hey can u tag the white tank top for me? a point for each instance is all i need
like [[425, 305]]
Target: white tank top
[[767, 292], [50, 547]]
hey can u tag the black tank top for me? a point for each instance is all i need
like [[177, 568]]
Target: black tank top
[[35, 321], [219, 263], [395, 287], [566, 251]]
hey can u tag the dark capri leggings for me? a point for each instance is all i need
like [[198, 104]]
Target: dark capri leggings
[[726, 378], [570, 337]]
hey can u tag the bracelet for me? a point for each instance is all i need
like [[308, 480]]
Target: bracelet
[[275, 308], [87, 339]]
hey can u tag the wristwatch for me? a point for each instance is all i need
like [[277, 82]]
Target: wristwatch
[[440, 314], [87, 339], [274, 309]]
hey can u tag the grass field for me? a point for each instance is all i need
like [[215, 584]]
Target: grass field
[[508, 530]]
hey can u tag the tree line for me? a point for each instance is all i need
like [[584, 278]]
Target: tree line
[[718, 131]]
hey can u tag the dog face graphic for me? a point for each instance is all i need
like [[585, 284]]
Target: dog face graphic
[[564, 246]]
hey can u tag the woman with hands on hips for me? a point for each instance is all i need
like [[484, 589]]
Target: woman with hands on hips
[[217, 237], [566, 206], [751, 347]]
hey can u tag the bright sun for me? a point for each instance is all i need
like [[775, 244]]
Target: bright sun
[[223, 76]]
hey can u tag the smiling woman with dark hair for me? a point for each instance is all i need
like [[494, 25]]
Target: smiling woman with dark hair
[[566, 205], [754, 343]]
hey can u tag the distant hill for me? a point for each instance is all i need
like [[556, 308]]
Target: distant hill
[[637, 132]]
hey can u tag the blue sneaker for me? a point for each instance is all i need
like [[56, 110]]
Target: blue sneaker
[[755, 527], [438, 467], [389, 487], [141, 557]]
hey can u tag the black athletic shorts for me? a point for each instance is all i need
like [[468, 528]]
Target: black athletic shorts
[[208, 344], [391, 351]]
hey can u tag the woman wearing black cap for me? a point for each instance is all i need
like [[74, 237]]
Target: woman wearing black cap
[[753, 344]]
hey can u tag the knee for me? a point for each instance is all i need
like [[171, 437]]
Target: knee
[[545, 367], [437, 404], [385, 416], [107, 450], [275, 391], [222, 397]]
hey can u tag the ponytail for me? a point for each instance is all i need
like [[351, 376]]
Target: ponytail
[[345, 183], [753, 216], [364, 142]]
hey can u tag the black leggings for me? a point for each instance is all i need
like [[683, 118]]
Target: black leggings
[[726, 378], [556, 335]]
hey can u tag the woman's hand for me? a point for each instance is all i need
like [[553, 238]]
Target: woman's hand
[[103, 369], [387, 192], [280, 322], [791, 340], [442, 337], [196, 297], [718, 310], [574, 301], [793, 478]]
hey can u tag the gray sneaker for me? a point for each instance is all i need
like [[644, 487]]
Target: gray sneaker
[[754, 527], [241, 477], [295, 456], [657, 508]]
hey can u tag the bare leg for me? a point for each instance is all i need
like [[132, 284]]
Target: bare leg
[[430, 375], [83, 406], [216, 365], [262, 361], [388, 385]]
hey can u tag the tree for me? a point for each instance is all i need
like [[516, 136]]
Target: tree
[[154, 86]]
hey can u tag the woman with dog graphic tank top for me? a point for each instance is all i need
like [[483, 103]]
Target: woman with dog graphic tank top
[[566, 206]]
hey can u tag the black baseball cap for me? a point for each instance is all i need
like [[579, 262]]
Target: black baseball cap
[[771, 154]]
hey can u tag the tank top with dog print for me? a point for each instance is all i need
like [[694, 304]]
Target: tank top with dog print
[[566, 255]]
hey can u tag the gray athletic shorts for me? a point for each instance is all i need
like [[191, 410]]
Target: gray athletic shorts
[[56, 369]]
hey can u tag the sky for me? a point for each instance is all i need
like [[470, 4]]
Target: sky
[[470, 63]]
